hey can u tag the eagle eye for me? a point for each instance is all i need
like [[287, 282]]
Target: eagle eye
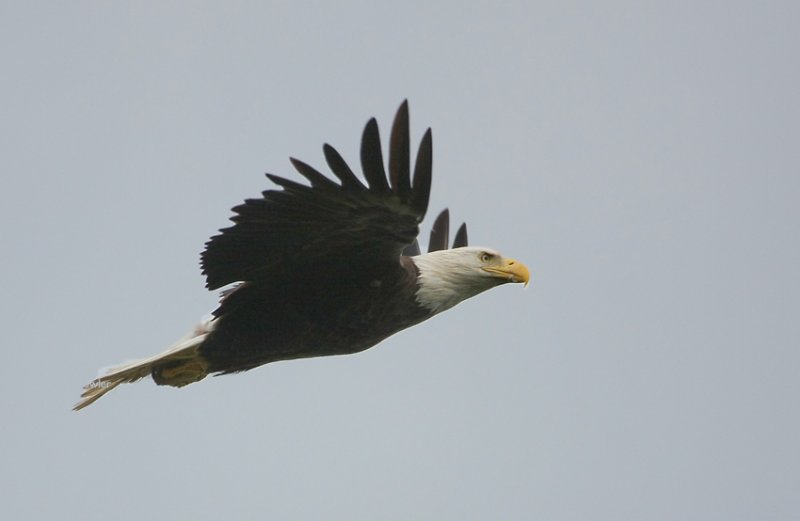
[[486, 257]]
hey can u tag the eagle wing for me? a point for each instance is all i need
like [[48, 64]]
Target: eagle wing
[[327, 222]]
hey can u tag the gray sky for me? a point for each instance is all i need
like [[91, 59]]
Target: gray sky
[[641, 158]]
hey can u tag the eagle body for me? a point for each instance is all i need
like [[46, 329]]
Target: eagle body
[[325, 268], [338, 313]]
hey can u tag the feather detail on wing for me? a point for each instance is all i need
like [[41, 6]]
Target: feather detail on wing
[[327, 221]]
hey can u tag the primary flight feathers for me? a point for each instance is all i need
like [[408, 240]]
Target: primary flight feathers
[[324, 269]]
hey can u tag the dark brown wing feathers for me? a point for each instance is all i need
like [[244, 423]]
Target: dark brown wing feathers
[[461, 237], [372, 158], [327, 221], [440, 233], [423, 169], [340, 169], [400, 155]]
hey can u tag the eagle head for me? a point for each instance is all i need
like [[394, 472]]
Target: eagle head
[[447, 277]]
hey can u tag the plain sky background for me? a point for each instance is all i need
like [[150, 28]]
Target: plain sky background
[[642, 158]]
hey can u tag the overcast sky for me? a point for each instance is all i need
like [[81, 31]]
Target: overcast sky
[[643, 159]]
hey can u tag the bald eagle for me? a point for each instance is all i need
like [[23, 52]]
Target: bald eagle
[[325, 269]]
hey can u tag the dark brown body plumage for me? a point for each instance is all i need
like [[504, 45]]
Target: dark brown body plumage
[[313, 314]]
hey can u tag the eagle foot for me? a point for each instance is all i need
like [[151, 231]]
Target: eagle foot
[[180, 373]]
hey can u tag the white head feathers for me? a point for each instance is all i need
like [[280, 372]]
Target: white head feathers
[[447, 277]]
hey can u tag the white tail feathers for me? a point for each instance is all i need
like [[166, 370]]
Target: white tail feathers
[[184, 350]]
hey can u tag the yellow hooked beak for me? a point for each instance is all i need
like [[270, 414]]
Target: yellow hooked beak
[[511, 270]]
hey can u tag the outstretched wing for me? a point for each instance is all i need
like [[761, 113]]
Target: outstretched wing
[[328, 222]]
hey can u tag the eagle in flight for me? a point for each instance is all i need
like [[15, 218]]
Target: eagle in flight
[[325, 268]]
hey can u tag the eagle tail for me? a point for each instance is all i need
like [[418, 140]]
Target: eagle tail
[[179, 365]]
